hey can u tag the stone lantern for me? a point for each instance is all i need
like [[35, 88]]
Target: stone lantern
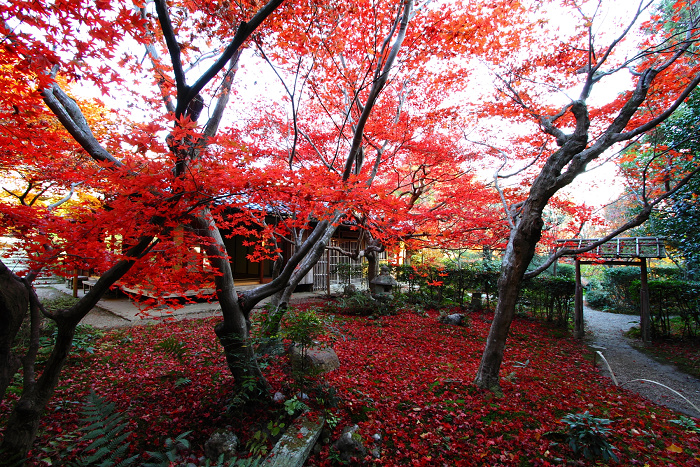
[[383, 284]]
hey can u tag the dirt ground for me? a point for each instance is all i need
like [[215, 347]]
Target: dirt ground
[[97, 317], [605, 332]]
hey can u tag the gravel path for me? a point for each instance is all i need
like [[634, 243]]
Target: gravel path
[[97, 317], [605, 332]]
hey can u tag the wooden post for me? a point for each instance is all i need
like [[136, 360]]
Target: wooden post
[[578, 304], [328, 272], [75, 284], [645, 319]]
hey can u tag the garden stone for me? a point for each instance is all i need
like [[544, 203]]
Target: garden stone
[[350, 290], [456, 319], [278, 397], [382, 285], [476, 302], [318, 359], [294, 447], [349, 444], [221, 442]]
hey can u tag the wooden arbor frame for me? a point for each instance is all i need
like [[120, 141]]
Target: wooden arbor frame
[[621, 251]]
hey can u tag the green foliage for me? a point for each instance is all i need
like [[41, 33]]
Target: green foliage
[[617, 282], [348, 271], [358, 303], [176, 449], [106, 433], [302, 326], [85, 335], [259, 443], [666, 273], [598, 299], [687, 423], [587, 436], [671, 300], [332, 420], [249, 462], [61, 302], [173, 347], [275, 428], [548, 297], [433, 286], [171, 455], [677, 219], [293, 406], [566, 271]]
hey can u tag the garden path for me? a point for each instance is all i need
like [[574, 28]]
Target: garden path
[[605, 332]]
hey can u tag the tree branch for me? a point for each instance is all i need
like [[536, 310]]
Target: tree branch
[[71, 117]]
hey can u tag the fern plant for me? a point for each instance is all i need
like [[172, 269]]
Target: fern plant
[[173, 347], [107, 434], [172, 454]]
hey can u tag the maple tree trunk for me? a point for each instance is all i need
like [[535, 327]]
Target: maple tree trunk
[[23, 424], [280, 301], [517, 257], [371, 267], [14, 303], [234, 331]]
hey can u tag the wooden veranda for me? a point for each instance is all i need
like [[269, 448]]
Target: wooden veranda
[[620, 251]]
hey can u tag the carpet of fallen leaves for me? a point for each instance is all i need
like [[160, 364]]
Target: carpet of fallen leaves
[[406, 380]]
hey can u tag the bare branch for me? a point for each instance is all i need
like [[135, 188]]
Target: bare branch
[[72, 118], [173, 48], [377, 86], [244, 31]]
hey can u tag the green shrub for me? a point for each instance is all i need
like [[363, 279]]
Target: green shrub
[[358, 303], [302, 328], [587, 436], [666, 273], [669, 301], [59, 303], [566, 271], [348, 271], [433, 286], [617, 283], [598, 299]]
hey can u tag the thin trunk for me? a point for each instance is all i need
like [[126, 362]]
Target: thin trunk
[[280, 301], [14, 303], [23, 424], [234, 331], [517, 257], [21, 428]]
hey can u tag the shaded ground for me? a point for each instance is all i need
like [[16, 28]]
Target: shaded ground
[[98, 317], [119, 312], [605, 332]]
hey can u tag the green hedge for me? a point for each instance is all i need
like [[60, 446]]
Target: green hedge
[[437, 286], [674, 306], [550, 298]]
